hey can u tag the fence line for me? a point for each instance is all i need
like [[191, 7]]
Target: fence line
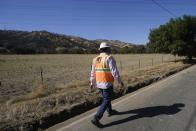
[[153, 62]]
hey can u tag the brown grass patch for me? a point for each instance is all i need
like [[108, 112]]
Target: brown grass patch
[[39, 92], [20, 74], [72, 99]]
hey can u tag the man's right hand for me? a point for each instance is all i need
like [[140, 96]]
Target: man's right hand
[[92, 87]]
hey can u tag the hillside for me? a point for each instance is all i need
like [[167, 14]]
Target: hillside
[[43, 42]]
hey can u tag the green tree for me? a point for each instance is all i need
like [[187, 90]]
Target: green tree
[[23, 50], [76, 51], [176, 37], [92, 51], [63, 51]]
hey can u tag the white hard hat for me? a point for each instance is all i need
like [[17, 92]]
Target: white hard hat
[[103, 45]]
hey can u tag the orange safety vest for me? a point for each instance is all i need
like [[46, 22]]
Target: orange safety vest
[[102, 70]]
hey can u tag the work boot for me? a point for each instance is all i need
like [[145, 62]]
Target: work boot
[[112, 112], [96, 123]]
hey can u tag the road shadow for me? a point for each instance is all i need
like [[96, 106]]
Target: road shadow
[[148, 112]]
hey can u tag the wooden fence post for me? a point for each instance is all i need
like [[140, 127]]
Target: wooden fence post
[[41, 73]]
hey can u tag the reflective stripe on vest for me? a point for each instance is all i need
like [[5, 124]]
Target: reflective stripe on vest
[[102, 70]]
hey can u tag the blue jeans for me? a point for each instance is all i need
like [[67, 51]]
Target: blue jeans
[[106, 103]]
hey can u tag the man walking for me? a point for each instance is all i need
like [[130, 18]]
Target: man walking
[[103, 73]]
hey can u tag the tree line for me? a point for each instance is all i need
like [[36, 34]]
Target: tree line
[[125, 50], [178, 37]]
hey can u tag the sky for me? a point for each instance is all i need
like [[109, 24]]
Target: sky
[[125, 20]]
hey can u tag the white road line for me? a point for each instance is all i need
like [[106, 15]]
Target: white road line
[[75, 122], [128, 97]]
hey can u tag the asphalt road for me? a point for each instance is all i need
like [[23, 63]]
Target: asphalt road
[[168, 105]]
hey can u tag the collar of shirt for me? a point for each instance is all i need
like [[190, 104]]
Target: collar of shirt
[[104, 53]]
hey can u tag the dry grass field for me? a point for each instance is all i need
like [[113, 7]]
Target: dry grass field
[[66, 85], [20, 74]]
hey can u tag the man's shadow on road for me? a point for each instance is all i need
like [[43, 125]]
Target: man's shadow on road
[[148, 112]]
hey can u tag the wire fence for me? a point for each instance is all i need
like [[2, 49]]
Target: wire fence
[[20, 74], [145, 62]]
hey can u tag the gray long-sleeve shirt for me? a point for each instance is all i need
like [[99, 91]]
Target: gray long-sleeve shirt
[[114, 72]]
